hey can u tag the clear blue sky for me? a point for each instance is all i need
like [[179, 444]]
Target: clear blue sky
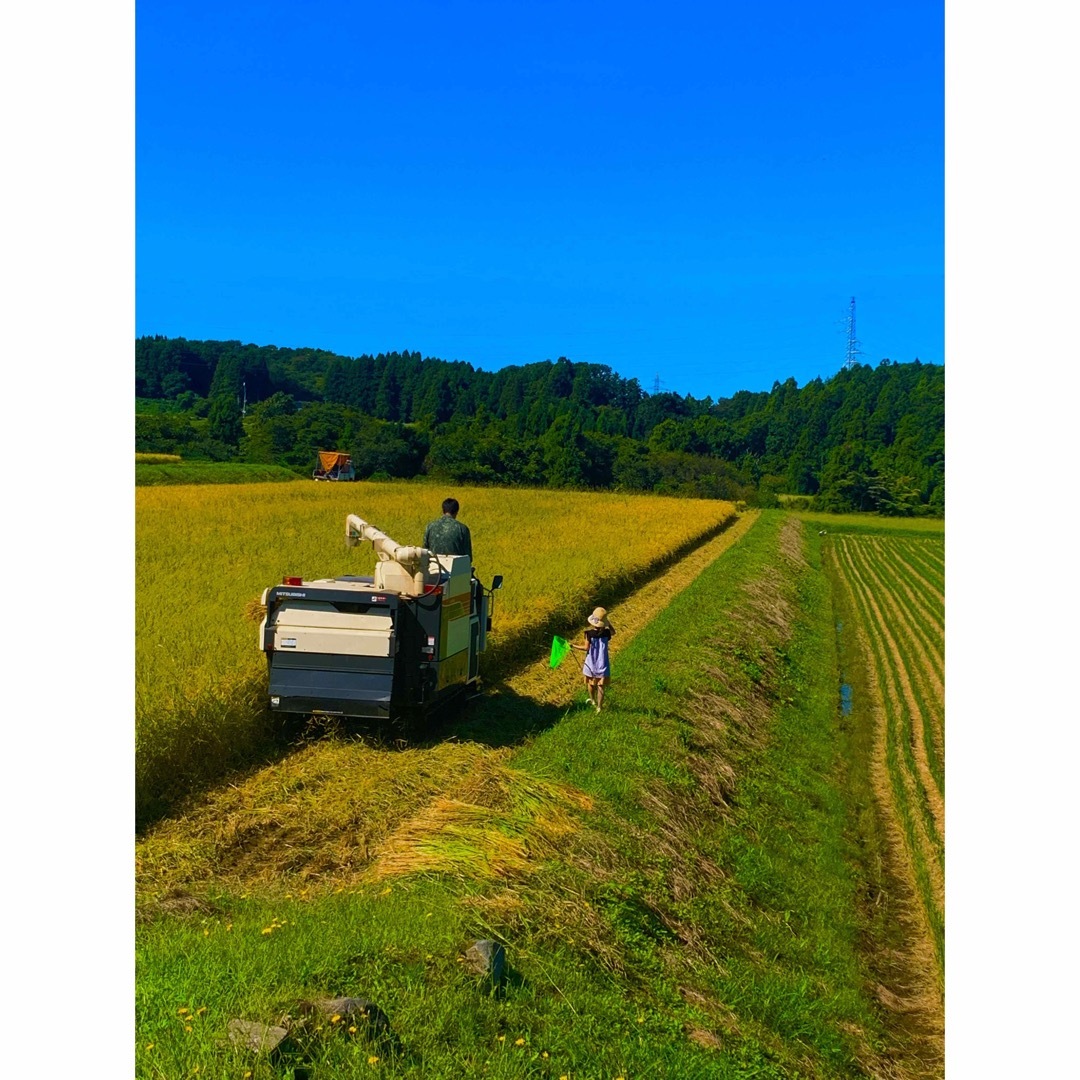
[[694, 190]]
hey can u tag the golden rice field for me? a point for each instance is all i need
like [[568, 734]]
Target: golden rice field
[[204, 553], [157, 459], [895, 588]]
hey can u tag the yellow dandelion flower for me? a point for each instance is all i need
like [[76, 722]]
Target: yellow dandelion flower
[[641, 1019], [502, 1038], [373, 1060], [336, 1018], [267, 929], [387, 891], [228, 926], [352, 1030], [149, 1046], [200, 1010], [182, 1010], [545, 1055], [564, 1077], [247, 1075], [187, 1028], [206, 933], [519, 1042]]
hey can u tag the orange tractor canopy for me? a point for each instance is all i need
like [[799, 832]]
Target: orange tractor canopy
[[333, 465]]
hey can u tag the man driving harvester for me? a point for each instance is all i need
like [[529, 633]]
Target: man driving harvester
[[447, 535]]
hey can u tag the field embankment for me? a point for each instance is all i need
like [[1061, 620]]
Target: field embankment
[[675, 880], [169, 470], [204, 554], [890, 604]]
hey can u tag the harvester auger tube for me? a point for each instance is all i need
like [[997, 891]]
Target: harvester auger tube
[[396, 644]]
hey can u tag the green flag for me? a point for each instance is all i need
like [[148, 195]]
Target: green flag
[[559, 648]]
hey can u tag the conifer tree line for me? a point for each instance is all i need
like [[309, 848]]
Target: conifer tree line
[[868, 438]]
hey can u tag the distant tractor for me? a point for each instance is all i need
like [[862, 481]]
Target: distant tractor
[[333, 465]]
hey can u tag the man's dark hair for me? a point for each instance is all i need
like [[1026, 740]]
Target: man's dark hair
[[450, 506]]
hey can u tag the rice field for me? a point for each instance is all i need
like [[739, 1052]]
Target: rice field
[[894, 586], [204, 553]]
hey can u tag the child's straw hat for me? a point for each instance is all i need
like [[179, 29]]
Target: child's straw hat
[[599, 618]]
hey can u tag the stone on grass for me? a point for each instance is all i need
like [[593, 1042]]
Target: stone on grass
[[487, 958], [260, 1038], [354, 1012]]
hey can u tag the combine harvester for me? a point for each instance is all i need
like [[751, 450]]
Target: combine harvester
[[333, 465], [392, 646]]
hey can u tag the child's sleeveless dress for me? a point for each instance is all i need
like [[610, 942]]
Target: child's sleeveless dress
[[597, 661]]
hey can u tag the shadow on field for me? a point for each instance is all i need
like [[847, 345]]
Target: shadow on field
[[502, 718]]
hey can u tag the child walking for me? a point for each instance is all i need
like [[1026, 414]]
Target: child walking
[[597, 667]]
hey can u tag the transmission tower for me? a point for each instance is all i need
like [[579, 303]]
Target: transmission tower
[[853, 352], [657, 384]]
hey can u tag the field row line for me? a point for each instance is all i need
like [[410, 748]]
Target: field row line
[[906, 842], [899, 687], [914, 794], [926, 565], [921, 594], [888, 626], [926, 669], [929, 639]]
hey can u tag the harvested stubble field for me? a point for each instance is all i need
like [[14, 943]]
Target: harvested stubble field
[[205, 553], [891, 601]]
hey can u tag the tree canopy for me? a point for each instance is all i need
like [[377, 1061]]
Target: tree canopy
[[868, 438]]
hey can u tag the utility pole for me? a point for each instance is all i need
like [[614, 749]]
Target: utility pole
[[853, 352], [243, 407]]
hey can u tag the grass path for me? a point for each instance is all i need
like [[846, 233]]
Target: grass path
[[629, 617]]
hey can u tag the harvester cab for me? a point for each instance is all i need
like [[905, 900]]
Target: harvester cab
[[393, 645]]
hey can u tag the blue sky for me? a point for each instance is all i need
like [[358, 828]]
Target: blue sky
[[690, 191]]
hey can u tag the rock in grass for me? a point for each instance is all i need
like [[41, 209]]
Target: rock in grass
[[487, 958], [260, 1038], [355, 1012]]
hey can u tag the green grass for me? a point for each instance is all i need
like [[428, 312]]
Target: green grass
[[704, 920], [211, 472], [872, 524]]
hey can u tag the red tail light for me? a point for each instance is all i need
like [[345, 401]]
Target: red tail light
[[292, 581]]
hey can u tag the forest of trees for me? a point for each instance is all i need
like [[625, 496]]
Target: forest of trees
[[868, 438]]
